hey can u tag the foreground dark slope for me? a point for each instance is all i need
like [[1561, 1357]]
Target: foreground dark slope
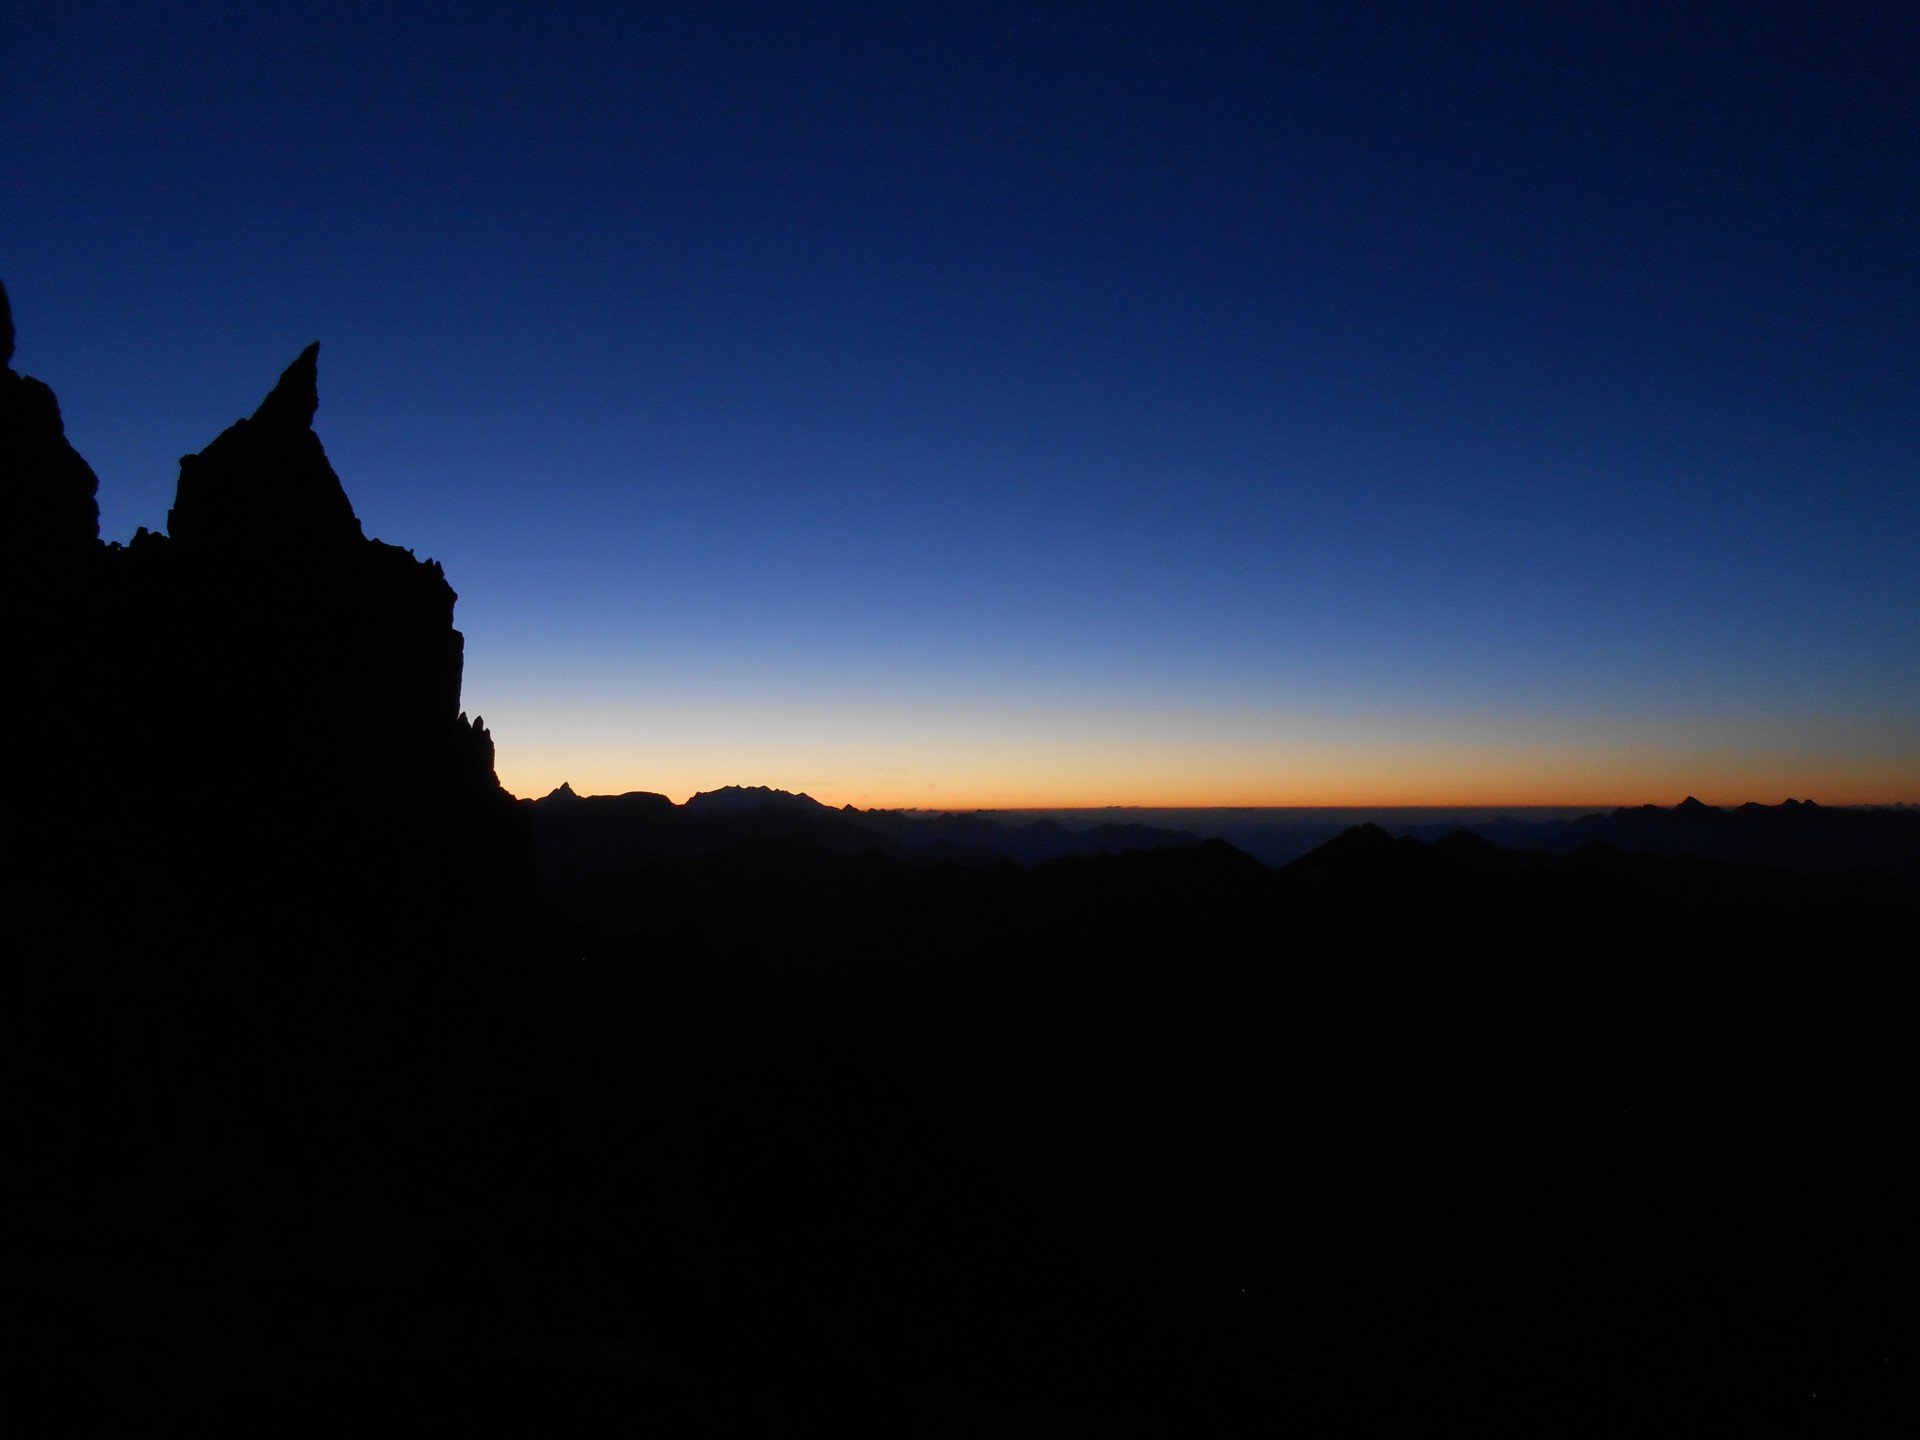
[[319, 1112]]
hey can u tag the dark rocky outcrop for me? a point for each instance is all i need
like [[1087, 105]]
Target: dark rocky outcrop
[[261, 706], [265, 485], [52, 517], [50, 585], [265, 897]]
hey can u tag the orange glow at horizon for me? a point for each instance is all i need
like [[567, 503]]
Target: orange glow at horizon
[[950, 761]]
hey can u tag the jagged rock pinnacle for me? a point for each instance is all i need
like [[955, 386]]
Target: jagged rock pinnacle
[[264, 485], [293, 400]]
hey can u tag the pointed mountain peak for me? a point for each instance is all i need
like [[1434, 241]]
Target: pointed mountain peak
[[264, 485], [1355, 840], [293, 400]]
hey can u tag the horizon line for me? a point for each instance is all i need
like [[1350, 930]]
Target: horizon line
[[1497, 804]]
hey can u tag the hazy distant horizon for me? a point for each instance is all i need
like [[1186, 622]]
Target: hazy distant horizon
[[1280, 834], [1385, 815]]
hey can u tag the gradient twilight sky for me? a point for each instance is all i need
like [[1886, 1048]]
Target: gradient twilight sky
[[1048, 404]]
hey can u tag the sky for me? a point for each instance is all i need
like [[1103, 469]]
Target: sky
[[960, 405]]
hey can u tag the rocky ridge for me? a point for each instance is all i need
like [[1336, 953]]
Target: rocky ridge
[[259, 702]]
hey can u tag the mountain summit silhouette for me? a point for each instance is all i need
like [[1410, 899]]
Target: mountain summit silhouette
[[252, 717], [265, 483]]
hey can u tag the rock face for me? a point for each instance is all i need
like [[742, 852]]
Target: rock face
[[265, 898], [52, 517], [251, 733], [274, 601]]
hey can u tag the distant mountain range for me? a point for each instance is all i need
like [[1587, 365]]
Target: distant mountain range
[[1794, 835], [578, 836]]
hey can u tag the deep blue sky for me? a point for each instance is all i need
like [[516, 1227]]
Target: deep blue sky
[[1029, 404]]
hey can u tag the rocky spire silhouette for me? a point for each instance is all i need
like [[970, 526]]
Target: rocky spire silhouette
[[292, 402], [299, 764], [266, 481]]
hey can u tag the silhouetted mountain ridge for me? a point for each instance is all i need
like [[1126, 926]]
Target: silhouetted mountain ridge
[[1795, 835], [584, 839], [745, 799]]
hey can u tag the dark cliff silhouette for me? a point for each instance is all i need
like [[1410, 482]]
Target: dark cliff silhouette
[[259, 708], [314, 1112], [54, 517]]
